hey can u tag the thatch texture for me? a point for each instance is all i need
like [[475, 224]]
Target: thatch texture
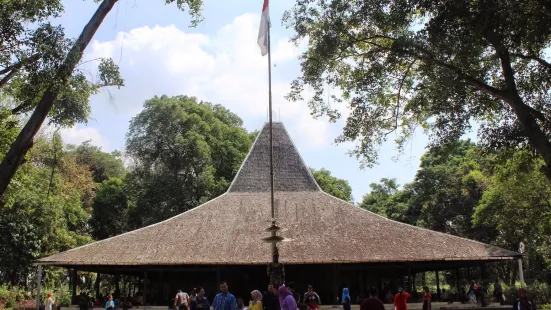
[[324, 229], [290, 172]]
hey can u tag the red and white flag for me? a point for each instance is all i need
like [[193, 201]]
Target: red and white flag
[[265, 24]]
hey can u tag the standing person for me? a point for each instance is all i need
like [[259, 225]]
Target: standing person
[[201, 302], [523, 303], [427, 299], [192, 298], [110, 304], [269, 300], [445, 296], [181, 300], [296, 295], [241, 304], [224, 300], [311, 298], [371, 302], [498, 293], [288, 301], [345, 299], [256, 300], [49, 302], [400, 300]]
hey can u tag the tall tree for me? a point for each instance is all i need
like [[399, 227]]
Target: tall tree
[[103, 165], [184, 152], [44, 209], [333, 185], [387, 199], [435, 64], [110, 213], [43, 92], [518, 204]]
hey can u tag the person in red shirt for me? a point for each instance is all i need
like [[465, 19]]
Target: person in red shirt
[[427, 299], [372, 302], [400, 300]]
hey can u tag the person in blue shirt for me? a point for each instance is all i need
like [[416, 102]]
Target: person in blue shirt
[[224, 300], [110, 304]]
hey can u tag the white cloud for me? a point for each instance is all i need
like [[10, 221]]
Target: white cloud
[[76, 135], [224, 68]]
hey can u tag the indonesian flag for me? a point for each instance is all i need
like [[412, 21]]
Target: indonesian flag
[[265, 24]]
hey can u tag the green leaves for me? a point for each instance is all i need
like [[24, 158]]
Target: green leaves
[[185, 153], [333, 185], [436, 64]]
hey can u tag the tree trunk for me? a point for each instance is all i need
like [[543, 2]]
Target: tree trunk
[[24, 140]]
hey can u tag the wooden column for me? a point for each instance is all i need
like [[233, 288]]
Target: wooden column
[[74, 282], [38, 286], [457, 283], [437, 274], [335, 287], [145, 289], [117, 285], [410, 282], [97, 285]]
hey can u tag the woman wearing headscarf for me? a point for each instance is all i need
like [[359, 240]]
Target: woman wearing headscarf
[[287, 301], [345, 299], [256, 300]]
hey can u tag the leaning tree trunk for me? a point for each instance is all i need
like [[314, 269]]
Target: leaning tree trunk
[[24, 140]]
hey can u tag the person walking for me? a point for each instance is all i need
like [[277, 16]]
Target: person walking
[[523, 303], [256, 300], [224, 300], [49, 302], [269, 299], [427, 299], [400, 300], [201, 302], [110, 304], [311, 298], [181, 300], [372, 302], [345, 299], [288, 302]]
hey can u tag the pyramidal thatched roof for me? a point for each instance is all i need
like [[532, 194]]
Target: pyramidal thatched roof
[[324, 229]]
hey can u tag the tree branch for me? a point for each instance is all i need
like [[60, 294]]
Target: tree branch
[[541, 61], [7, 78], [427, 56], [16, 66]]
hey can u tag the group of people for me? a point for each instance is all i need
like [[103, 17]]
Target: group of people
[[282, 298]]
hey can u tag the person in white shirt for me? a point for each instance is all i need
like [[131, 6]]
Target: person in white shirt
[[49, 302]]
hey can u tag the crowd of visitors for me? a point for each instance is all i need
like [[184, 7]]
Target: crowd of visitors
[[287, 298]]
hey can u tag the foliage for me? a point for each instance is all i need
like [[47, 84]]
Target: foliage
[[501, 198], [388, 200], [102, 165], [439, 65], [333, 185], [31, 55], [44, 209], [185, 152], [110, 210], [517, 203]]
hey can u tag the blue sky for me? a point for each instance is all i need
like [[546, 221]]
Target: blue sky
[[219, 61]]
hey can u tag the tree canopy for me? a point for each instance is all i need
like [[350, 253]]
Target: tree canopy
[[402, 65], [39, 69], [333, 185], [184, 152], [501, 198]]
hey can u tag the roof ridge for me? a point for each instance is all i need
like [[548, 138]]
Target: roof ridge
[[291, 173]]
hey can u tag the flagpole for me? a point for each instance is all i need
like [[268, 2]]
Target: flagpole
[[271, 127]]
